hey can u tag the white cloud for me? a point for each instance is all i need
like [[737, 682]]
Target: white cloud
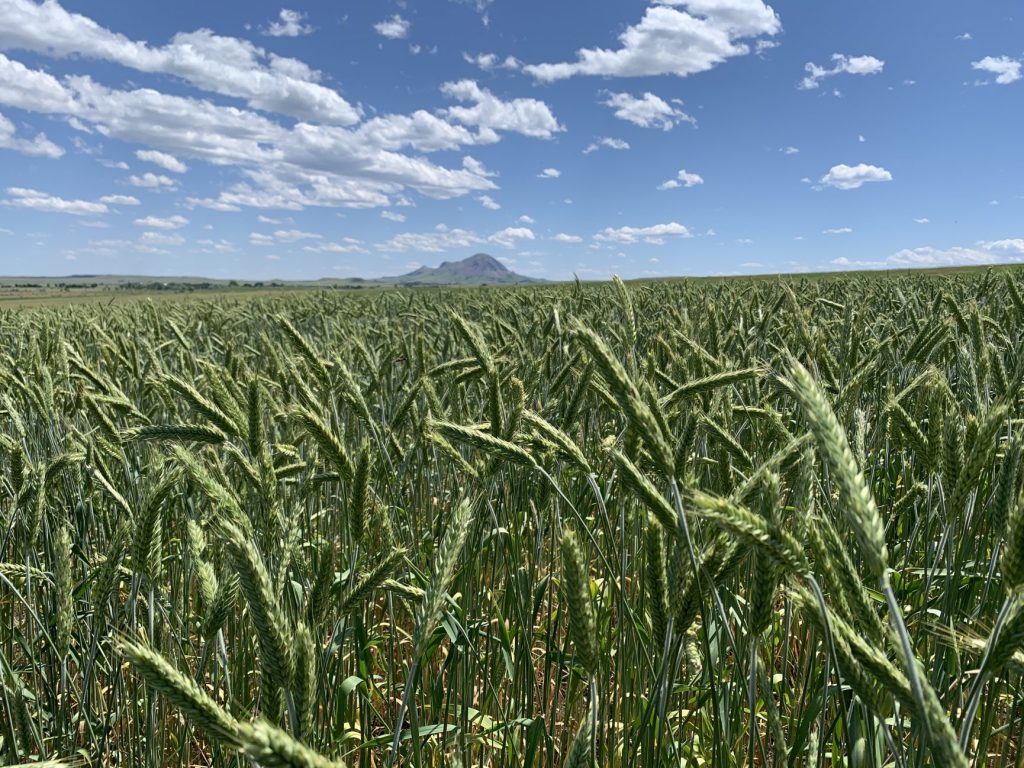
[[837, 231], [152, 181], [921, 221], [549, 173], [1007, 70], [444, 238], [310, 157], [673, 41], [228, 66], [851, 177], [421, 131], [119, 200], [490, 61], [293, 235], [509, 236], [211, 204], [164, 160], [289, 24], [562, 237], [654, 234], [529, 117], [394, 28], [488, 202], [40, 146], [255, 238], [160, 238], [524, 219], [983, 252], [745, 241], [284, 167], [393, 216], [789, 150], [1009, 247], [841, 63], [1007, 251], [78, 125], [216, 246], [350, 246], [606, 141], [154, 222], [683, 179], [647, 111], [41, 201], [965, 36], [437, 241]]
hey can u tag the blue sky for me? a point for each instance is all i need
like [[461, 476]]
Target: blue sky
[[680, 137]]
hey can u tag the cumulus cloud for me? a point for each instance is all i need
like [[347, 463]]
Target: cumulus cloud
[[438, 241], [852, 177], [837, 231], [549, 173], [530, 117], [285, 167], [119, 200], [789, 150], [443, 238], [294, 235], [922, 220], [841, 63], [40, 146], [491, 61], [152, 181], [509, 236], [210, 204], [647, 111], [606, 141], [350, 245], [228, 66], [488, 202], [562, 237], [683, 179], [1005, 69], [41, 201], [393, 28], [393, 216], [164, 160], [160, 238], [155, 222], [317, 161], [1007, 251], [674, 37], [654, 234], [289, 24]]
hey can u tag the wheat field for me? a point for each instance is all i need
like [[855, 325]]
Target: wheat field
[[714, 523]]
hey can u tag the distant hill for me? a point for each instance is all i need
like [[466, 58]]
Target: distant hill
[[479, 269], [474, 270]]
